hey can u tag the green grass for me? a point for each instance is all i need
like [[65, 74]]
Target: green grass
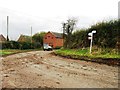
[[5, 52], [106, 53]]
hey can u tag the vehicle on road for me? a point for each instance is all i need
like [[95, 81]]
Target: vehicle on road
[[47, 47]]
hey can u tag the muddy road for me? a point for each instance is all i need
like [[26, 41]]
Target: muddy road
[[40, 69]]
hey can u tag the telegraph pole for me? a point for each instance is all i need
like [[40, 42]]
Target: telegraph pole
[[7, 27], [119, 10], [31, 36], [63, 33]]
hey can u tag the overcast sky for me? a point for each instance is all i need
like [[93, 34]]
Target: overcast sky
[[47, 15]]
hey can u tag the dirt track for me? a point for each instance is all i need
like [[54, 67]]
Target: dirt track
[[38, 69]]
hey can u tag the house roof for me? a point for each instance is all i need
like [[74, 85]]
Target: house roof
[[24, 38], [59, 35], [2, 38]]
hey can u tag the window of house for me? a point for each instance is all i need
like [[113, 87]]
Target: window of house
[[45, 37], [52, 37], [48, 36]]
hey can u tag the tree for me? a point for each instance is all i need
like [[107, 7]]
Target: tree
[[38, 38], [68, 28]]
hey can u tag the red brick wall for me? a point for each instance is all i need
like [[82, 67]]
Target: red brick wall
[[50, 39], [59, 42]]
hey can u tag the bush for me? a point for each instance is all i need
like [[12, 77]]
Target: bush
[[28, 45], [25, 45], [20, 45], [14, 45], [36, 45], [10, 45], [5, 45]]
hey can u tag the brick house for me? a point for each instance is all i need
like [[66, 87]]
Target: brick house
[[24, 38], [53, 39], [2, 39]]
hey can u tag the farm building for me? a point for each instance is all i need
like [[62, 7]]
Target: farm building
[[24, 38], [53, 39], [2, 39]]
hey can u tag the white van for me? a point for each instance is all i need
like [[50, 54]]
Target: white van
[[47, 47]]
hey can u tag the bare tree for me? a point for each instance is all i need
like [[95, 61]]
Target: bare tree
[[68, 28]]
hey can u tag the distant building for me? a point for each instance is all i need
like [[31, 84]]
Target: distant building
[[53, 39], [2, 39], [24, 38]]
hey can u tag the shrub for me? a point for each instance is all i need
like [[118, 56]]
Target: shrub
[[25, 45], [18, 45], [36, 45]]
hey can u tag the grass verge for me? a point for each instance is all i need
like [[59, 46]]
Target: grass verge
[[106, 56], [6, 52]]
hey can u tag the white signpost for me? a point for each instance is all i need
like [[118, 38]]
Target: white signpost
[[91, 38]]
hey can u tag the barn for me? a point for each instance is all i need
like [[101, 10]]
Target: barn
[[53, 39]]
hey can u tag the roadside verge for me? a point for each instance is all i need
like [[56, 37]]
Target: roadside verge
[[100, 60]]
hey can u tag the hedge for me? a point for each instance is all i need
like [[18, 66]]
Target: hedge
[[19, 45]]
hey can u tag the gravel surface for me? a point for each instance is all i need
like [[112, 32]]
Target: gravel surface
[[40, 69]]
